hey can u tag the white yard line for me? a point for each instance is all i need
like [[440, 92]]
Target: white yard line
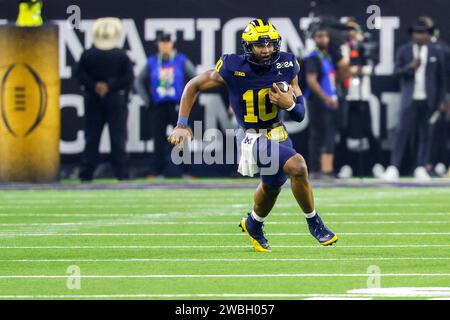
[[236, 234], [187, 295], [112, 223], [265, 275], [86, 215], [211, 295], [235, 213], [346, 204], [227, 259], [394, 246]]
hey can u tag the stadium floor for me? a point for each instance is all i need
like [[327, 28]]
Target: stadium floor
[[220, 183], [166, 240]]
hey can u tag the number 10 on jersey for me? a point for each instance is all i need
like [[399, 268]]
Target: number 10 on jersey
[[263, 104]]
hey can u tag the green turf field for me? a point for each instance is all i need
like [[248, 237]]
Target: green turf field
[[185, 243]]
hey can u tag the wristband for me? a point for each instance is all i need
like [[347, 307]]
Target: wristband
[[297, 111], [291, 107], [299, 101], [182, 121]]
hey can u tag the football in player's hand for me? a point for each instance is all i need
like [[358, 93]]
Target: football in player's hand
[[282, 85]]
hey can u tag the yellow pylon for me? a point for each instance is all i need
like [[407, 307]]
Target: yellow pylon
[[30, 13]]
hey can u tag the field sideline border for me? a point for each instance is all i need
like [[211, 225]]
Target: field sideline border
[[205, 183]]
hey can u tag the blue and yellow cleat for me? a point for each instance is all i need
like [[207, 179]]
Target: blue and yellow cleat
[[320, 231], [255, 230]]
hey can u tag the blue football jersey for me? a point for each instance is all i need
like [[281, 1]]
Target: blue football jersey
[[249, 85]]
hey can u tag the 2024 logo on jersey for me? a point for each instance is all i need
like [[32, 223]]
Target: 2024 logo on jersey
[[284, 64]]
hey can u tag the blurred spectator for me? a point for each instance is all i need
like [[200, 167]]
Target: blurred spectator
[[420, 66], [160, 84], [440, 121], [322, 103], [106, 76], [358, 133]]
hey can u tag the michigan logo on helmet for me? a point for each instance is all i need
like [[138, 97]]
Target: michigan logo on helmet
[[262, 32]]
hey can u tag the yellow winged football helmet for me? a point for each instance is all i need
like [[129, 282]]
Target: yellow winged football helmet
[[260, 31]]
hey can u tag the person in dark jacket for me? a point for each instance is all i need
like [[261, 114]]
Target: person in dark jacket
[[420, 67], [440, 121], [106, 76]]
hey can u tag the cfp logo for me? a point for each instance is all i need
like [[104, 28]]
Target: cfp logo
[[23, 99]]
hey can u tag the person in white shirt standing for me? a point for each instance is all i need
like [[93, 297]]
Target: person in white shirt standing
[[362, 147], [420, 67]]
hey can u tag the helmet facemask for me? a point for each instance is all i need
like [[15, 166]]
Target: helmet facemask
[[262, 33], [251, 57]]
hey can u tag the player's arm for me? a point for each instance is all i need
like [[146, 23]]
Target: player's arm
[[205, 81], [291, 101]]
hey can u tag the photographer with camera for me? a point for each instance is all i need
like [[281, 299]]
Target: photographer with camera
[[360, 142]]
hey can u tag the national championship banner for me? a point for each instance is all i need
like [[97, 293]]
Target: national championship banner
[[206, 29]]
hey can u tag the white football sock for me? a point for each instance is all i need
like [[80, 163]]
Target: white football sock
[[256, 217], [310, 215]]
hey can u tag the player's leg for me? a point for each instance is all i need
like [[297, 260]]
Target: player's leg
[[94, 123], [403, 133], [316, 139], [160, 122], [265, 195], [297, 170], [264, 200], [423, 133], [117, 114], [326, 163], [327, 156]]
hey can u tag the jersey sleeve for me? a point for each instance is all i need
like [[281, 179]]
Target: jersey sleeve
[[222, 67], [296, 66]]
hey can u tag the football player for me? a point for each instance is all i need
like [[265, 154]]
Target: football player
[[256, 100]]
